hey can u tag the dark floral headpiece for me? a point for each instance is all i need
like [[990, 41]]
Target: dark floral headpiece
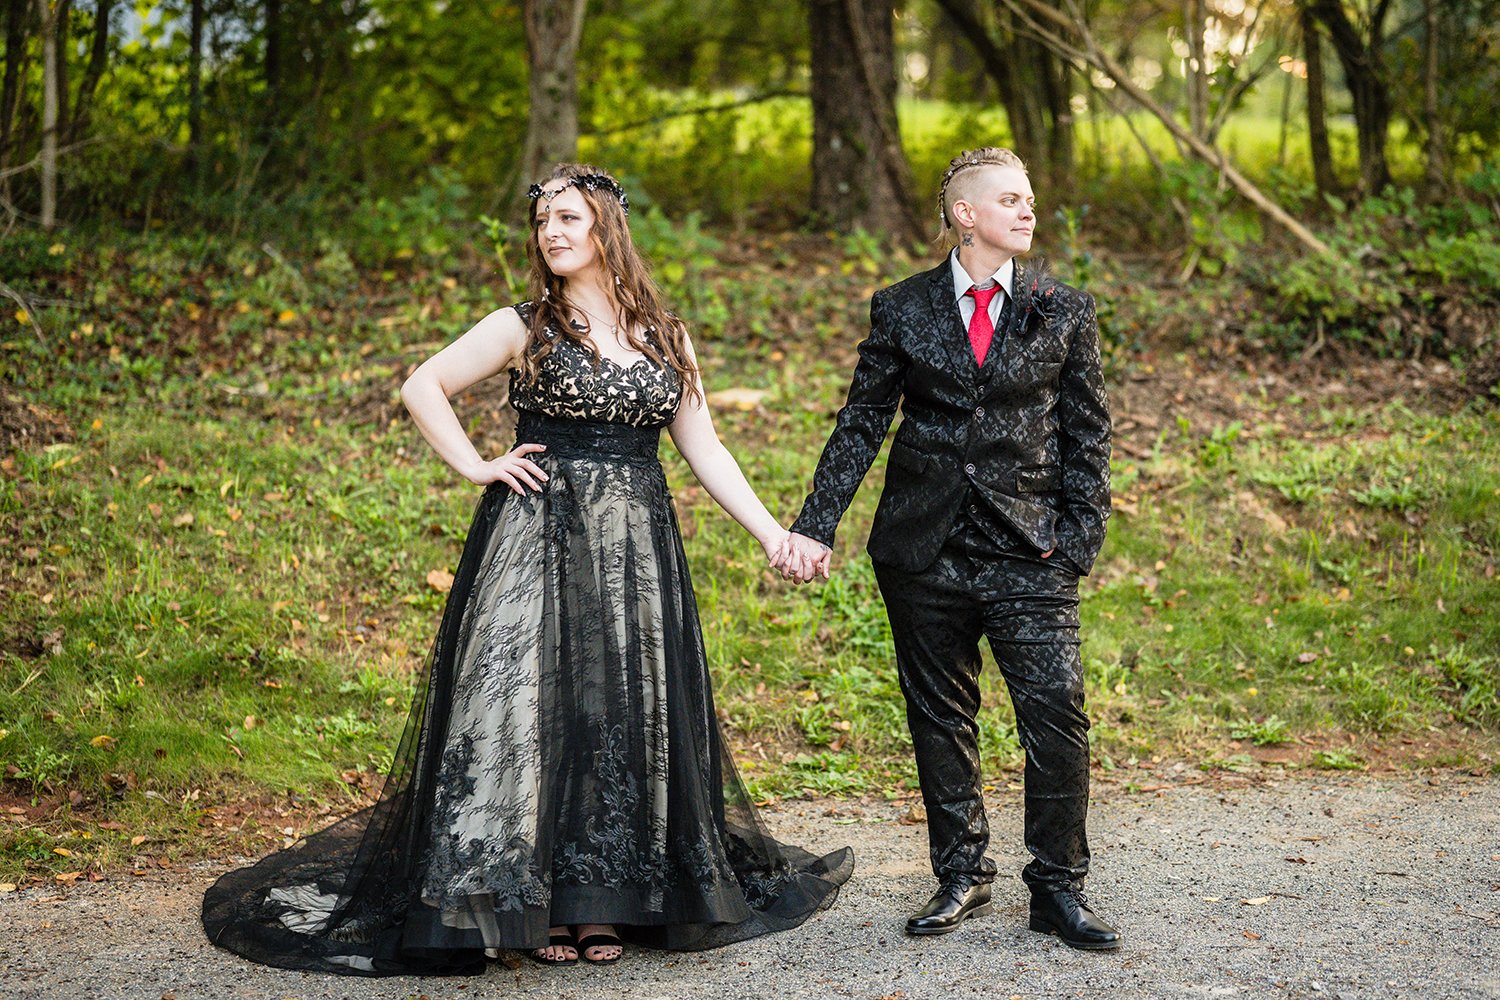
[[589, 182]]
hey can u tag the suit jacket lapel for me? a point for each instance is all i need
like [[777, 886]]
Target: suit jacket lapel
[[949, 323]]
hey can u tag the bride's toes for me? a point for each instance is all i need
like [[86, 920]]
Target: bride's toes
[[599, 943], [560, 950]]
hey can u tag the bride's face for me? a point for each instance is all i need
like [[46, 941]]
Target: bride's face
[[563, 224]]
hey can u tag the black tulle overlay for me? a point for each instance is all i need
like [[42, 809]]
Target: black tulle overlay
[[561, 763]]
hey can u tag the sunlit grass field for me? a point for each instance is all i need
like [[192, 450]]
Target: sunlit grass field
[[754, 160]]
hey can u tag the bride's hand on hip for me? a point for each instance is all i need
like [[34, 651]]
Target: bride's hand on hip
[[513, 469]]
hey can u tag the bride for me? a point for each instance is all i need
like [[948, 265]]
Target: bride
[[562, 786]]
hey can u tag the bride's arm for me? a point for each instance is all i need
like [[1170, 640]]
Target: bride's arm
[[693, 434], [485, 350]]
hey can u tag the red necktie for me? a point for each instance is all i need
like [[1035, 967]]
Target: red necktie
[[981, 330]]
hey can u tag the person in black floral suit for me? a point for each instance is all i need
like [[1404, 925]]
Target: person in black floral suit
[[996, 495]]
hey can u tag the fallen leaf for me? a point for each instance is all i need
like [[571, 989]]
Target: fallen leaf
[[182, 520], [738, 398], [62, 852], [1252, 935], [7, 887], [1306, 657], [137, 840], [440, 580], [1257, 901], [104, 742]]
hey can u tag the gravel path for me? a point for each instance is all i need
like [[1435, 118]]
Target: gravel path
[[1290, 888]]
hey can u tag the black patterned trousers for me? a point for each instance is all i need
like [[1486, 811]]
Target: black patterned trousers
[[988, 583]]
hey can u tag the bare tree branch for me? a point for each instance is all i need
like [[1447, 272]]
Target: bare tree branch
[[1052, 26], [16, 296], [704, 109]]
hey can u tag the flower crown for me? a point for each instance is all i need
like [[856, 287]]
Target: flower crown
[[589, 182]]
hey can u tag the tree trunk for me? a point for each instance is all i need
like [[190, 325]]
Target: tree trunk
[[50, 58], [860, 174], [553, 29], [83, 105], [1365, 75], [1035, 87], [272, 70], [1057, 97], [1437, 151], [62, 16], [16, 12], [195, 88], [1193, 16], [1317, 114]]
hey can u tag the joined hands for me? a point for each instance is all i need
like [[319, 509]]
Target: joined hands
[[801, 558]]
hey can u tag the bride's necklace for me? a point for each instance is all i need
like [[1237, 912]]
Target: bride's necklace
[[613, 328]]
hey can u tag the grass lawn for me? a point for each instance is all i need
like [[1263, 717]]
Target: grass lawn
[[222, 549]]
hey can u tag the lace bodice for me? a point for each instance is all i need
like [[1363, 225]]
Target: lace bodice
[[573, 385]]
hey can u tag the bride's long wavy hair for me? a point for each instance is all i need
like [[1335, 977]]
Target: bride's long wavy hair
[[639, 299]]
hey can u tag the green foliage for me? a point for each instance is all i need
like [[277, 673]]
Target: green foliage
[[1338, 760], [1395, 271], [1219, 226], [425, 221], [1264, 732], [1474, 682]]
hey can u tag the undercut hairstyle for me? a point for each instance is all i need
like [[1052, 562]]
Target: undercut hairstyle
[[640, 301], [960, 177]]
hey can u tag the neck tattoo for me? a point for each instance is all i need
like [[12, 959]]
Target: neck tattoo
[[968, 239]]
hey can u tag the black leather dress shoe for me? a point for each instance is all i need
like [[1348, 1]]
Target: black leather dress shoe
[[1067, 913], [950, 906]]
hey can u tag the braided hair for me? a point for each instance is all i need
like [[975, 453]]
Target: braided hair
[[984, 156]]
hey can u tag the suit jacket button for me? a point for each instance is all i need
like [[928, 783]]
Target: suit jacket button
[[969, 469], [979, 411]]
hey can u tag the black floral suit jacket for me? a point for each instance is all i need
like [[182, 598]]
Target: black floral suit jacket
[[1024, 441]]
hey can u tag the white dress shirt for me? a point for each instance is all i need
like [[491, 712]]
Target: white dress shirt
[[1004, 277]]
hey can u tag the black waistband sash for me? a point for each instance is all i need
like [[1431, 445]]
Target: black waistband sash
[[568, 438]]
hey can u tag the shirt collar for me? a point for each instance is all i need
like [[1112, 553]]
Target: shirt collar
[[1005, 277]]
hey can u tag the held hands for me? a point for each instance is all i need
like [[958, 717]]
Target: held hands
[[513, 469], [801, 558]]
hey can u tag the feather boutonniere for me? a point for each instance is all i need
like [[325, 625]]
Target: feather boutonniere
[[1039, 301]]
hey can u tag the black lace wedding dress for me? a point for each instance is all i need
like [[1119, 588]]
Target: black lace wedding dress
[[562, 763]]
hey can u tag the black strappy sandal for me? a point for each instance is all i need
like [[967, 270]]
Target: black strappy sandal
[[600, 941], [563, 940]]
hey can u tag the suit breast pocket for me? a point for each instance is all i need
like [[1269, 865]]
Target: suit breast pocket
[[1045, 348]]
